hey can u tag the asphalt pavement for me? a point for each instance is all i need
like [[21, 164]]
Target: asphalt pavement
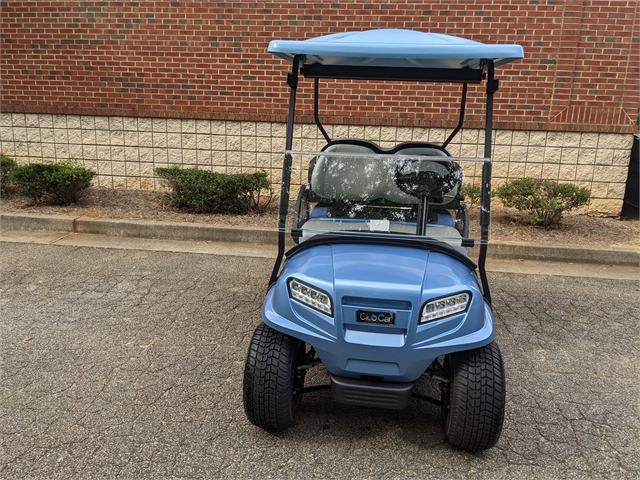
[[127, 363]]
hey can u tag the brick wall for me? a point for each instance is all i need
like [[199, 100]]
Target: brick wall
[[208, 60]]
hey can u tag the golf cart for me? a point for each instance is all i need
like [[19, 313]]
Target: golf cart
[[379, 287]]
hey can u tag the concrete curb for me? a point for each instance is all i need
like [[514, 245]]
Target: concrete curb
[[47, 223], [176, 231], [557, 253], [138, 228], [267, 236]]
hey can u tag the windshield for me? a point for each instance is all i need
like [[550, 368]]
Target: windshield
[[403, 194]]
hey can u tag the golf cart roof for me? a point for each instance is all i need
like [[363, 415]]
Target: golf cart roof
[[396, 48]]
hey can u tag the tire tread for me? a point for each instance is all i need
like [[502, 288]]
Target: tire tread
[[477, 399], [267, 385]]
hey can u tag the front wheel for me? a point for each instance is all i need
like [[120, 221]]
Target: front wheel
[[475, 398], [272, 387]]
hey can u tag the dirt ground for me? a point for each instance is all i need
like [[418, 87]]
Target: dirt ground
[[507, 224]]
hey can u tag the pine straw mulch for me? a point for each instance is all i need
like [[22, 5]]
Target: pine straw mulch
[[507, 224]]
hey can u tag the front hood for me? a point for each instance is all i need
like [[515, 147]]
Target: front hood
[[374, 276], [378, 273], [369, 270]]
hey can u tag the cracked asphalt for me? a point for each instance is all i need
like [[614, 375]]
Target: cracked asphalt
[[128, 364]]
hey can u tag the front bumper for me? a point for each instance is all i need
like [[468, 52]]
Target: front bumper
[[363, 393]]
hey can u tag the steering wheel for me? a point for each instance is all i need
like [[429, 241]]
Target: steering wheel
[[430, 178]]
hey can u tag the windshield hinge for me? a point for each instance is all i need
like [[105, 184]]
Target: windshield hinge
[[292, 80], [492, 82]]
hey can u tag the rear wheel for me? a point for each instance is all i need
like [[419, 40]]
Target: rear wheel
[[475, 398], [272, 387]]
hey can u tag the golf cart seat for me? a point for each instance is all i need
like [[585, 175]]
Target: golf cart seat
[[430, 150], [365, 181], [356, 179]]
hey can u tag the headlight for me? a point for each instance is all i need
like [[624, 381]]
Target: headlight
[[310, 296], [444, 307]]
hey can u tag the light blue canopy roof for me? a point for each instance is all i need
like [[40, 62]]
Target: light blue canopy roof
[[395, 48]]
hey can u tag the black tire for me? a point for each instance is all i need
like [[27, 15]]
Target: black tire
[[272, 388], [475, 398]]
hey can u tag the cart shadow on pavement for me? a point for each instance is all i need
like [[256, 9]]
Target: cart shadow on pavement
[[329, 422]]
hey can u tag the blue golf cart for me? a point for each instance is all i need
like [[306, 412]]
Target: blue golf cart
[[379, 286]]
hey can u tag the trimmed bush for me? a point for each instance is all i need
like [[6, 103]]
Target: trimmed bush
[[205, 191], [472, 194], [544, 200], [7, 165], [62, 181]]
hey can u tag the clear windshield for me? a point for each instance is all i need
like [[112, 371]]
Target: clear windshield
[[413, 195]]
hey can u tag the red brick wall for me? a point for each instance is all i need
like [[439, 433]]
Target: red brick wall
[[195, 59]]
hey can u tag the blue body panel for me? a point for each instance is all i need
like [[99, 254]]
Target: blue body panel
[[379, 278]]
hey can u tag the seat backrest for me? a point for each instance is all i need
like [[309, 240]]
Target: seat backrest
[[429, 150], [413, 149], [356, 179], [367, 179]]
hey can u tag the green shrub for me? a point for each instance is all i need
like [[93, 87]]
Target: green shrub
[[544, 200], [62, 181], [206, 191], [472, 194], [7, 165]]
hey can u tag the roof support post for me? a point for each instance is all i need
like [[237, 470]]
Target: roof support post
[[316, 117], [463, 104], [485, 212], [285, 186]]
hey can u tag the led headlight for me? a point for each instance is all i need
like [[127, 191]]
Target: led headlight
[[311, 296], [445, 306]]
